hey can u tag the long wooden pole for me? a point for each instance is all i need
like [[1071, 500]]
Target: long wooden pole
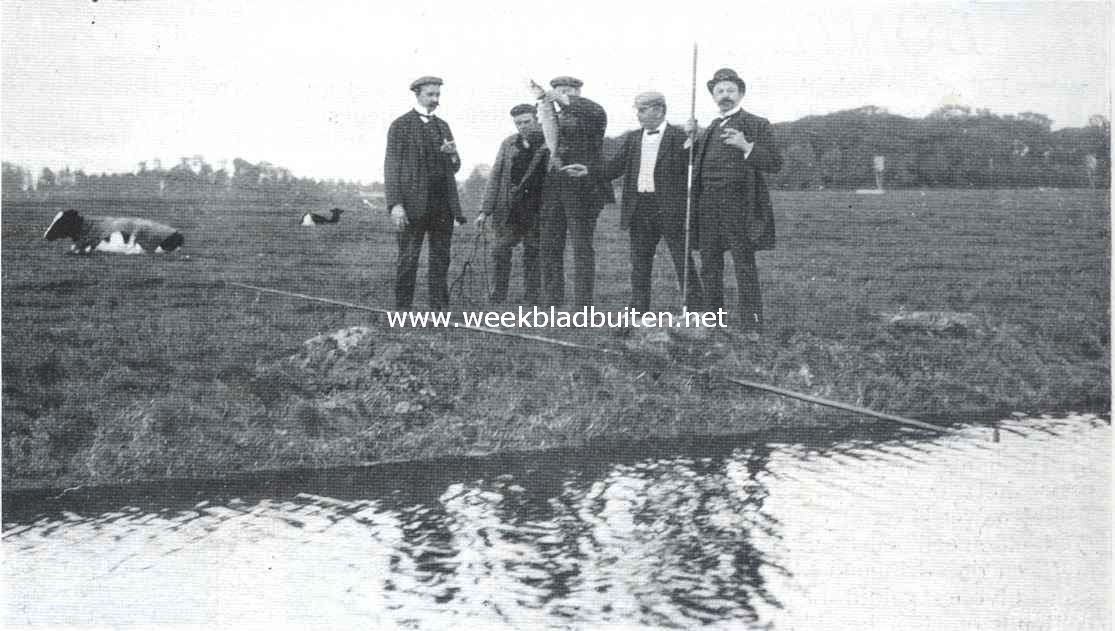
[[630, 355], [689, 185]]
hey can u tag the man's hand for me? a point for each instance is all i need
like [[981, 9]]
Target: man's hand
[[691, 129], [575, 170], [736, 138], [461, 220], [553, 96], [448, 146], [399, 216]]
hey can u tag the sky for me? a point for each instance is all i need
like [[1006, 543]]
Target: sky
[[101, 85]]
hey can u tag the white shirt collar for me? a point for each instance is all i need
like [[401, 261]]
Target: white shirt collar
[[661, 128], [734, 110], [422, 112]]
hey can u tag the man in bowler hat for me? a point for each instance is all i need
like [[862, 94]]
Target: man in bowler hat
[[421, 193], [732, 200], [513, 200], [572, 196], [654, 161]]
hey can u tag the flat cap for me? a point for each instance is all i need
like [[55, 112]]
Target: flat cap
[[417, 84], [523, 108], [726, 74], [649, 99], [572, 82]]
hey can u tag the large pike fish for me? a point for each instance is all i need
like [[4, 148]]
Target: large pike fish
[[547, 117]]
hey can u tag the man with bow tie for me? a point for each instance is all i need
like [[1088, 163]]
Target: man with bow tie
[[654, 161], [512, 202], [572, 196], [421, 193], [732, 200]]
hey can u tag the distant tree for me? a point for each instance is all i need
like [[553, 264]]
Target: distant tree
[[951, 111], [11, 184], [830, 167], [245, 174], [472, 191], [46, 179], [934, 168], [1040, 120], [799, 168]]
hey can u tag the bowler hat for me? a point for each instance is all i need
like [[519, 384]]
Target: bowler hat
[[523, 108], [727, 74], [417, 84], [572, 82]]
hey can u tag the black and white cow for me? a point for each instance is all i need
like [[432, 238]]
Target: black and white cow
[[313, 219], [121, 235]]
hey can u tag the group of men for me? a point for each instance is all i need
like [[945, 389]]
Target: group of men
[[538, 197]]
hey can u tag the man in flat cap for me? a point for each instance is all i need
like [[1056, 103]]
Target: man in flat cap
[[573, 195], [732, 200], [513, 200], [654, 161], [421, 193]]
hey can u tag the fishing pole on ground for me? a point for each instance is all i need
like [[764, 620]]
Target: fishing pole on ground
[[631, 355]]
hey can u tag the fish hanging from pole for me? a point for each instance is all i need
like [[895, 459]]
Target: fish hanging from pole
[[547, 117]]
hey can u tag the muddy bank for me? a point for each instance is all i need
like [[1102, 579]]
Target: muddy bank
[[370, 394]]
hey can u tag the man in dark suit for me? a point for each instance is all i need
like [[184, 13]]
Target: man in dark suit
[[571, 195], [421, 193], [512, 202], [733, 202], [654, 163]]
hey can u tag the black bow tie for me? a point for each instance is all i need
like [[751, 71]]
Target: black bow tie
[[653, 132]]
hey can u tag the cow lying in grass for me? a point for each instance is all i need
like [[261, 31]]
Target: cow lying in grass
[[121, 235], [313, 219]]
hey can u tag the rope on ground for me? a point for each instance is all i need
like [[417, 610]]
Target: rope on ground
[[629, 355], [464, 286]]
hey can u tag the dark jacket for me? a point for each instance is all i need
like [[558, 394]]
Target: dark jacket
[[671, 170], [581, 126], [502, 193], [749, 196], [407, 164]]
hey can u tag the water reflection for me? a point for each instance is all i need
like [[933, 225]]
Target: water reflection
[[859, 531]]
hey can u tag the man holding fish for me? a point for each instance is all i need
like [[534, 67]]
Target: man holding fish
[[573, 127]]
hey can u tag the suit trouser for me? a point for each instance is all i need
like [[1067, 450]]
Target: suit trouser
[[649, 225], [439, 227], [721, 221], [568, 206], [508, 236]]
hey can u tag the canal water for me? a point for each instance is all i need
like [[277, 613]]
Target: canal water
[[872, 528]]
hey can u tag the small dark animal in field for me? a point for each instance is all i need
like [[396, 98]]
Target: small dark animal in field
[[120, 235], [313, 219]]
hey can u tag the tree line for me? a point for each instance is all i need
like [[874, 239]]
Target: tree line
[[953, 147], [192, 179]]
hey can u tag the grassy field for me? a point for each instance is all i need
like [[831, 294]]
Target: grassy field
[[119, 368]]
